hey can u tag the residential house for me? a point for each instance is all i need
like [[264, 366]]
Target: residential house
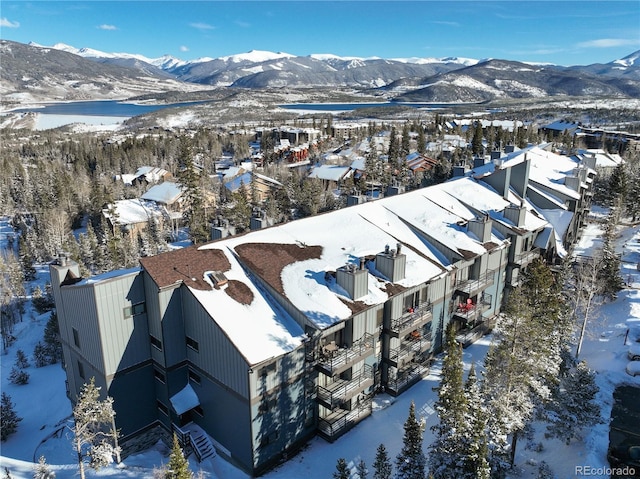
[[133, 216]]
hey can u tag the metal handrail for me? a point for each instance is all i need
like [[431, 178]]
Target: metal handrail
[[411, 317], [473, 284]]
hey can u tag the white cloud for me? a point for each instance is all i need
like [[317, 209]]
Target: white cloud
[[5, 22], [243, 24], [104, 26], [607, 43], [202, 26], [184, 48]]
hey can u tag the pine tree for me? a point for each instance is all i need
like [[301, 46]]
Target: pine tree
[[52, 344], [178, 466], [422, 141], [382, 467], [342, 470], [42, 471], [8, 418], [447, 451], [21, 360], [574, 405], [475, 449], [411, 462], [361, 470], [477, 147], [18, 376], [94, 434], [394, 147]]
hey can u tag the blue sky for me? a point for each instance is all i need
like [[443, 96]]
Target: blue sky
[[565, 33]]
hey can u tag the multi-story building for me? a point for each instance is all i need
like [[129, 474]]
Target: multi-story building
[[258, 342]]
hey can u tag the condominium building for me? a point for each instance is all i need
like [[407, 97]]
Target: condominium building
[[253, 344]]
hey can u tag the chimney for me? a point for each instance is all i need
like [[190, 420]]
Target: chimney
[[516, 214], [480, 227], [392, 263], [353, 280], [362, 263]]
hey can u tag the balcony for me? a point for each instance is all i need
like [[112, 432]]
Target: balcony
[[340, 421], [470, 312], [414, 318], [335, 360], [402, 379], [470, 335], [471, 287], [525, 257], [340, 391], [408, 351]]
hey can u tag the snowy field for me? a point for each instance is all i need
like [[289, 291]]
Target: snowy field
[[46, 411]]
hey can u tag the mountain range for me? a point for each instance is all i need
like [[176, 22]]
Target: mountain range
[[73, 73]]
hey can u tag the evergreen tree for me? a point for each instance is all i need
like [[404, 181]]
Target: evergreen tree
[[475, 449], [193, 200], [476, 142], [394, 147], [422, 141], [447, 451], [178, 466], [21, 360], [382, 467], [8, 418], [52, 344], [42, 471], [342, 470], [361, 470], [18, 376], [94, 434], [40, 355], [574, 405], [411, 462], [405, 142]]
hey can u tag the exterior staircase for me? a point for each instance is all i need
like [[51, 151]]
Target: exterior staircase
[[198, 441]]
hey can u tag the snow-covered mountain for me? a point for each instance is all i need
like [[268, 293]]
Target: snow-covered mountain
[[65, 72]]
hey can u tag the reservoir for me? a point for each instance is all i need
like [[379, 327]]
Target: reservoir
[[355, 106], [111, 108]]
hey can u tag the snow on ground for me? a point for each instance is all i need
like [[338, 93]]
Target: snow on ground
[[45, 408]]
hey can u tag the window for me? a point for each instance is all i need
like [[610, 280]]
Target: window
[[193, 377], [193, 344], [379, 317], [159, 376], [81, 370], [155, 342], [199, 411], [134, 310], [76, 337], [164, 409]]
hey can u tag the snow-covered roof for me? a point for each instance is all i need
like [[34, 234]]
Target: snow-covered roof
[[603, 159], [134, 211], [329, 172], [184, 400], [560, 220], [549, 169], [166, 193]]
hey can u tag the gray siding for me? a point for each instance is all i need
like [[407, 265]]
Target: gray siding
[[125, 339], [216, 355]]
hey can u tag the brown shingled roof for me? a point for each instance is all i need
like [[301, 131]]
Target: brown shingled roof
[[267, 260], [183, 265]]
